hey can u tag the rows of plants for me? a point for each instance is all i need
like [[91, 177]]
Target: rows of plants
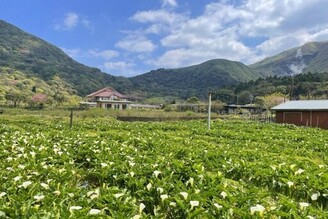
[[111, 169]]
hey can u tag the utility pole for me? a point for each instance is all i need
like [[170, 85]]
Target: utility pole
[[209, 110]]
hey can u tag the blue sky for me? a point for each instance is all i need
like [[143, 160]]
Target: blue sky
[[131, 37]]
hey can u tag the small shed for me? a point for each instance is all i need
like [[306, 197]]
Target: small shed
[[312, 113]]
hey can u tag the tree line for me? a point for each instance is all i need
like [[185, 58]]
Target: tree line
[[295, 87]]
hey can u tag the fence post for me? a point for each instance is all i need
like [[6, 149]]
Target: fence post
[[209, 110], [71, 119]]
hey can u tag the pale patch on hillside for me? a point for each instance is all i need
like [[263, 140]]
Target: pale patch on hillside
[[298, 67]]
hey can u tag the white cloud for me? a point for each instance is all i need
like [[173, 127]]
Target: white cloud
[[320, 35], [136, 44], [102, 59], [71, 21], [162, 16], [222, 29], [172, 3], [170, 39], [105, 54], [159, 21], [205, 50], [86, 23], [120, 68]]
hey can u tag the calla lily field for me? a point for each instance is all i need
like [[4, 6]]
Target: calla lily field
[[104, 168]]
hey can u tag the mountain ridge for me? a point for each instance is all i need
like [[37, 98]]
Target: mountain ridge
[[37, 58], [309, 57], [218, 73]]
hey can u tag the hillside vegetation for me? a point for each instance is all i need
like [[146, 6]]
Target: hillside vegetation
[[34, 59], [195, 80], [18, 89], [37, 58], [311, 57], [108, 169], [301, 86]]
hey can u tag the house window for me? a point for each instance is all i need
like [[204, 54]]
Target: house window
[[116, 106], [124, 106], [108, 106]]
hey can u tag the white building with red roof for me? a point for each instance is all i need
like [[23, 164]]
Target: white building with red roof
[[108, 98]]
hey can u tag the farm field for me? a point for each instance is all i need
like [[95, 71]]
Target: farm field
[[104, 168]]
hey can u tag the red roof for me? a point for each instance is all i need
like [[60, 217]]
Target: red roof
[[107, 92]]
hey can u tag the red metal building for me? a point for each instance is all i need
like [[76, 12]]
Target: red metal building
[[312, 113]]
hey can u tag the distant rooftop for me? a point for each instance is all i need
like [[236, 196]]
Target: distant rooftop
[[303, 105]]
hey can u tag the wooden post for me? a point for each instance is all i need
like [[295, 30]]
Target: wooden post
[[209, 110], [71, 119]]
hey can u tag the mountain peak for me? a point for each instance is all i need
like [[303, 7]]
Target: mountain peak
[[310, 57], [38, 58]]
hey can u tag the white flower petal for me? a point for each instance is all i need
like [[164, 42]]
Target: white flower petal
[[17, 178], [290, 184], [39, 197], [315, 196], [299, 171], [258, 208], [190, 182], [194, 203], [223, 194], [142, 206], [44, 185], [149, 185], [75, 208], [118, 195], [94, 211], [156, 173], [173, 204], [184, 194], [2, 194], [104, 164], [25, 184], [304, 205], [163, 197], [160, 190], [218, 206]]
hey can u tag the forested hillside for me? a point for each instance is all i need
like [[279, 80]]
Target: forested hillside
[[301, 86], [30, 64], [310, 57], [195, 80], [35, 57]]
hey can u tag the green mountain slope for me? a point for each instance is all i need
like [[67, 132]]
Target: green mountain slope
[[194, 80], [311, 57], [37, 58], [16, 87], [33, 58]]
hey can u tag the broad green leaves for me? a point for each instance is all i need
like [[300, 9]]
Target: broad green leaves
[[113, 169]]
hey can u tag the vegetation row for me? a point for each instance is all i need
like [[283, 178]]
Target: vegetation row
[[112, 169]]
